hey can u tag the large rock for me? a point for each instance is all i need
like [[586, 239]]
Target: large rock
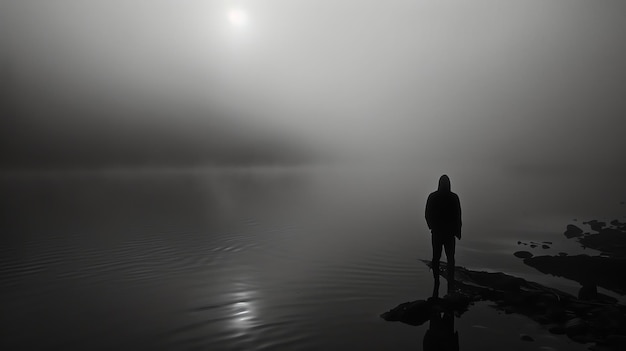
[[601, 271], [611, 242]]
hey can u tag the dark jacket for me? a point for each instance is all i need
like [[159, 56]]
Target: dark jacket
[[443, 210]]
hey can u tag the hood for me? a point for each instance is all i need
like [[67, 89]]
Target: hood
[[444, 183]]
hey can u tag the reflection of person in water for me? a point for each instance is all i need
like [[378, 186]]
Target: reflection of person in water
[[441, 335], [443, 216]]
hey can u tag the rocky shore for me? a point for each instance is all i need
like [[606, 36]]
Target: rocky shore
[[590, 317]]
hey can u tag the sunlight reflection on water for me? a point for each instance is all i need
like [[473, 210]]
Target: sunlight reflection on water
[[243, 314]]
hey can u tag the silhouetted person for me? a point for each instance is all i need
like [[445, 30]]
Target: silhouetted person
[[441, 335], [443, 216]]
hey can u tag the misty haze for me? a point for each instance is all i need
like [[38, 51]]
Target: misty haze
[[253, 174]]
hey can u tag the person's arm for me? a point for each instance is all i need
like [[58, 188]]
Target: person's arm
[[458, 206], [429, 214]]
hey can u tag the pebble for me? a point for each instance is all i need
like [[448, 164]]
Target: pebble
[[523, 254]]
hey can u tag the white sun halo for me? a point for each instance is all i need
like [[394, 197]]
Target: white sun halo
[[237, 17]]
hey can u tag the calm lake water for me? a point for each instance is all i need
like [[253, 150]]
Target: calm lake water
[[262, 258]]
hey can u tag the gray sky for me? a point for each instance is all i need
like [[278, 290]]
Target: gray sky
[[536, 86]]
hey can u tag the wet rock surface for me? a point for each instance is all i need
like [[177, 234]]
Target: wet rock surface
[[605, 269], [609, 241], [609, 273]]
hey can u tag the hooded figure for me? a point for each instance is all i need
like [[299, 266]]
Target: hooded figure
[[443, 216]]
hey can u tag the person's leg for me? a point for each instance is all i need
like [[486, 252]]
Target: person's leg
[[449, 246], [437, 246]]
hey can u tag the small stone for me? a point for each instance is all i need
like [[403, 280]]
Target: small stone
[[544, 246], [572, 231], [547, 242], [523, 254], [533, 246], [526, 337]]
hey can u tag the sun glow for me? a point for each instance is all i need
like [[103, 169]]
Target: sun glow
[[237, 17]]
